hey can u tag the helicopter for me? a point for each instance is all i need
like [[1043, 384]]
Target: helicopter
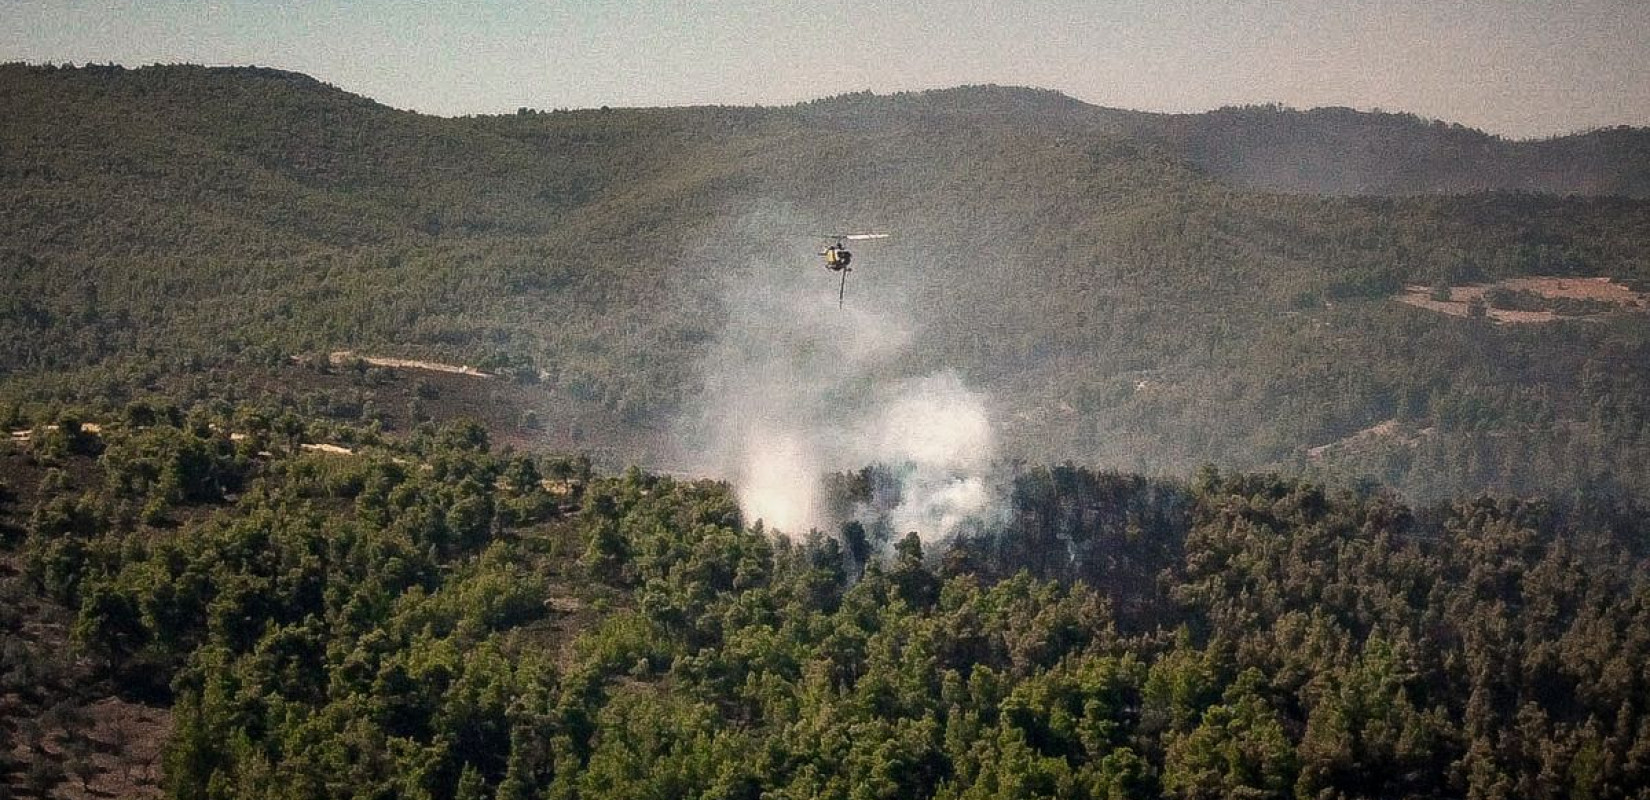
[[837, 256]]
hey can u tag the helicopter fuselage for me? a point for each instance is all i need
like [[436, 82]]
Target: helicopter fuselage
[[837, 258]]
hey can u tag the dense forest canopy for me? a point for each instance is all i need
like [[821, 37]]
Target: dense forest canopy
[[432, 617]]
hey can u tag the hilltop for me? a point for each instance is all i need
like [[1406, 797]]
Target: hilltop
[[1326, 151], [1143, 291], [1341, 151]]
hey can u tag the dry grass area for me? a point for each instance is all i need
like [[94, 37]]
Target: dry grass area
[[1462, 298], [1380, 430], [333, 449], [344, 357], [1601, 289]]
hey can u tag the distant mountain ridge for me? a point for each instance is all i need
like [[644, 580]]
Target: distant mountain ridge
[[1326, 150]]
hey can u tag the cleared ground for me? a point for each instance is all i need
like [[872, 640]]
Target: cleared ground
[[1602, 293]]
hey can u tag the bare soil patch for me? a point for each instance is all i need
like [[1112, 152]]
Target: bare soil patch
[[1600, 289], [1604, 292]]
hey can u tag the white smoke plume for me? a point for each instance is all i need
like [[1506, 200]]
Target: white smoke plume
[[795, 388], [937, 431]]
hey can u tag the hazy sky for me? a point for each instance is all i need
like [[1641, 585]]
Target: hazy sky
[[1515, 67]]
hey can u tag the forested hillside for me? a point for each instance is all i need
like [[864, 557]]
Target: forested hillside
[[314, 420], [432, 617], [1143, 292]]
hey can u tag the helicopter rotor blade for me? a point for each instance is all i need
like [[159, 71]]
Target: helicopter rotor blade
[[842, 289], [852, 236]]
